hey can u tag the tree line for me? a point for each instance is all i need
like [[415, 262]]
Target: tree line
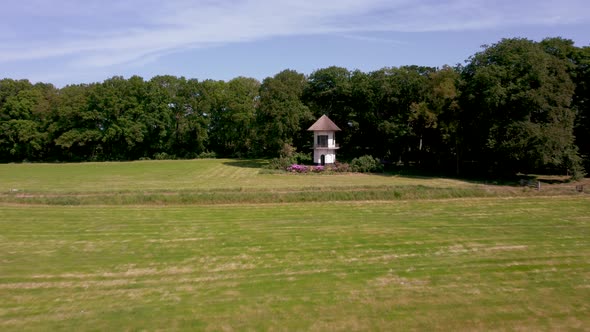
[[515, 106]]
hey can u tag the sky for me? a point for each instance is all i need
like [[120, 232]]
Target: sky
[[83, 41]]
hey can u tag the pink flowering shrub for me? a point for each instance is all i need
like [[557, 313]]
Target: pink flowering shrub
[[295, 168], [317, 169]]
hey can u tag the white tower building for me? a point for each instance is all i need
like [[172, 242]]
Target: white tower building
[[324, 141]]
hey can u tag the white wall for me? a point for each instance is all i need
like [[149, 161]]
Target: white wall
[[331, 138], [329, 152]]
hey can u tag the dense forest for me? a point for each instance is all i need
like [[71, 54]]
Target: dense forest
[[515, 106]]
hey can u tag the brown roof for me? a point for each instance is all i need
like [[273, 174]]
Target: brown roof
[[324, 124]]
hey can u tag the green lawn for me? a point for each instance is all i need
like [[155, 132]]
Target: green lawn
[[219, 245], [458, 264], [182, 175]]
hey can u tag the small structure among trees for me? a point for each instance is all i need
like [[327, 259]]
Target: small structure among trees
[[324, 140]]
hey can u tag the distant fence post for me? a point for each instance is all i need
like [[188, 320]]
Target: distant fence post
[[531, 184]]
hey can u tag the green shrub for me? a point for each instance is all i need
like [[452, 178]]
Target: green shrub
[[287, 157], [163, 156], [207, 155], [339, 167], [287, 151], [366, 164], [302, 158], [280, 163]]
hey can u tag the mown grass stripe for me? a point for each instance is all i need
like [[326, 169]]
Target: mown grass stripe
[[439, 264]]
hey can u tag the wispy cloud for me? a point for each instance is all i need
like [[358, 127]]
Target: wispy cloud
[[100, 33], [372, 39]]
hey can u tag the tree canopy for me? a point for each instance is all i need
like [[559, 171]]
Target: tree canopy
[[515, 106]]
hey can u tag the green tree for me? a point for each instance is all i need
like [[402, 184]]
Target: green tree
[[434, 121], [581, 103], [329, 92], [281, 113], [24, 119], [75, 127], [396, 90], [10, 88], [577, 61], [517, 109], [360, 132], [118, 103], [233, 119], [177, 117]]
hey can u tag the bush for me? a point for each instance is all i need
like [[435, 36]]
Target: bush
[[317, 169], [303, 158], [296, 168], [207, 155], [366, 164], [340, 167], [287, 151], [281, 163], [163, 156]]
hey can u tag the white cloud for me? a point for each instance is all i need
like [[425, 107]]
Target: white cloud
[[101, 33]]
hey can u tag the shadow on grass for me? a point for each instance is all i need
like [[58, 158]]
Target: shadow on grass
[[430, 175], [246, 163], [410, 173]]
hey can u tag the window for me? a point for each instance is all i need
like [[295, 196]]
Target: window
[[322, 141]]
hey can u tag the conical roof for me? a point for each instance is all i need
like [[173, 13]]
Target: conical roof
[[324, 124]]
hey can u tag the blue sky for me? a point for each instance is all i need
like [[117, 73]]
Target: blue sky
[[74, 41]]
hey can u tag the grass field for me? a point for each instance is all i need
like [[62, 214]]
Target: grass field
[[225, 181], [508, 262], [185, 175]]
